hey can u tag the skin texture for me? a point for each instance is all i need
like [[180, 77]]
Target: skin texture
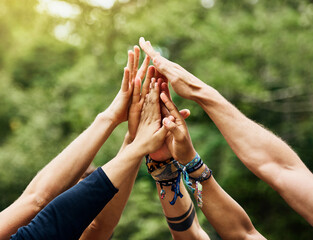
[[149, 132], [63, 171], [149, 137], [182, 204], [103, 225], [263, 153], [178, 209], [224, 213], [66, 169]]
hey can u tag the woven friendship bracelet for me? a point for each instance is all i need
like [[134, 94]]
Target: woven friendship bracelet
[[153, 165], [190, 167], [162, 171], [194, 164], [170, 182], [168, 173], [165, 173], [205, 175]]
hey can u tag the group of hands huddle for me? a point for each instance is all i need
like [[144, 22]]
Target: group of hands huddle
[[156, 127]]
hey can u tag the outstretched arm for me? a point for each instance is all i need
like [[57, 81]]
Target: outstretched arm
[[103, 225], [225, 215], [66, 169], [65, 217], [181, 217], [265, 154]]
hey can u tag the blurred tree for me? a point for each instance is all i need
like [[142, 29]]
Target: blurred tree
[[60, 66]]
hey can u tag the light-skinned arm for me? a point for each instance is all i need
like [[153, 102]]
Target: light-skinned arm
[[71, 212], [226, 216], [263, 153], [66, 169], [103, 225], [181, 217]]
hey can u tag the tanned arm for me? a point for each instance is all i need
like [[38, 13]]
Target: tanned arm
[[265, 154]]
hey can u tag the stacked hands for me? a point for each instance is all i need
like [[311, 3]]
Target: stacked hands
[[53, 206], [154, 123]]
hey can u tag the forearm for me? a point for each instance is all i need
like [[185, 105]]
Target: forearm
[[70, 213], [265, 154], [72, 162], [260, 150], [103, 225], [226, 216], [60, 174], [181, 217]]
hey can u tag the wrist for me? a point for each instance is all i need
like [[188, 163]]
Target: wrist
[[188, 157], [198, 172], [206, 96], [107, 117], [128, 139], [137, 148]]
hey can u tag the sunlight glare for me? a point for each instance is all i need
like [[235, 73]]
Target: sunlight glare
[[58, 8]]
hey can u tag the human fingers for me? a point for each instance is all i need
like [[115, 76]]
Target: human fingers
[[164, 110], [185, 113], [146, 84], [153, 101], [136, 61], [165, 89], [143, 68], [173, 128], [163, 65], [170, 105], [136, 92], [153, 80], [160, 75], [154, 92], [147, 48], [130, 63], [125, 81], [160, 135], [171, 118]]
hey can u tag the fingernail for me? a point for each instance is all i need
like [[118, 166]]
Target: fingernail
[[166, 121]]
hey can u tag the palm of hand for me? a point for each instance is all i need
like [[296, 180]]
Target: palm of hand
[[134, 118], [162, 154], [120, 104]]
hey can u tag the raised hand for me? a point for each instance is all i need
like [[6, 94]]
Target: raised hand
[[184, 83], [118, 109], [163, 153], [137, 99], [150, 134], [178, 142]]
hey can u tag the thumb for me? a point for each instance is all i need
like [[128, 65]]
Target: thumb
[[172, 127], [161, 133], [185, 113]]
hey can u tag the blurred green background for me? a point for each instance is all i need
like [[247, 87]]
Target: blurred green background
[[61, 63]]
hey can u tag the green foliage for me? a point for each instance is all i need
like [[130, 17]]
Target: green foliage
[[57, 74]]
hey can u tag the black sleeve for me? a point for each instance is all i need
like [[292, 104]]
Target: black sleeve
[[68, 215]]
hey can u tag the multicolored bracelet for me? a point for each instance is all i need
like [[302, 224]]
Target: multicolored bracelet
[[168, 173], [165, 173], [205, 175]]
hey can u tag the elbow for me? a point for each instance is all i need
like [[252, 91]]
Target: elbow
[[253, 235], [37, 202]]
